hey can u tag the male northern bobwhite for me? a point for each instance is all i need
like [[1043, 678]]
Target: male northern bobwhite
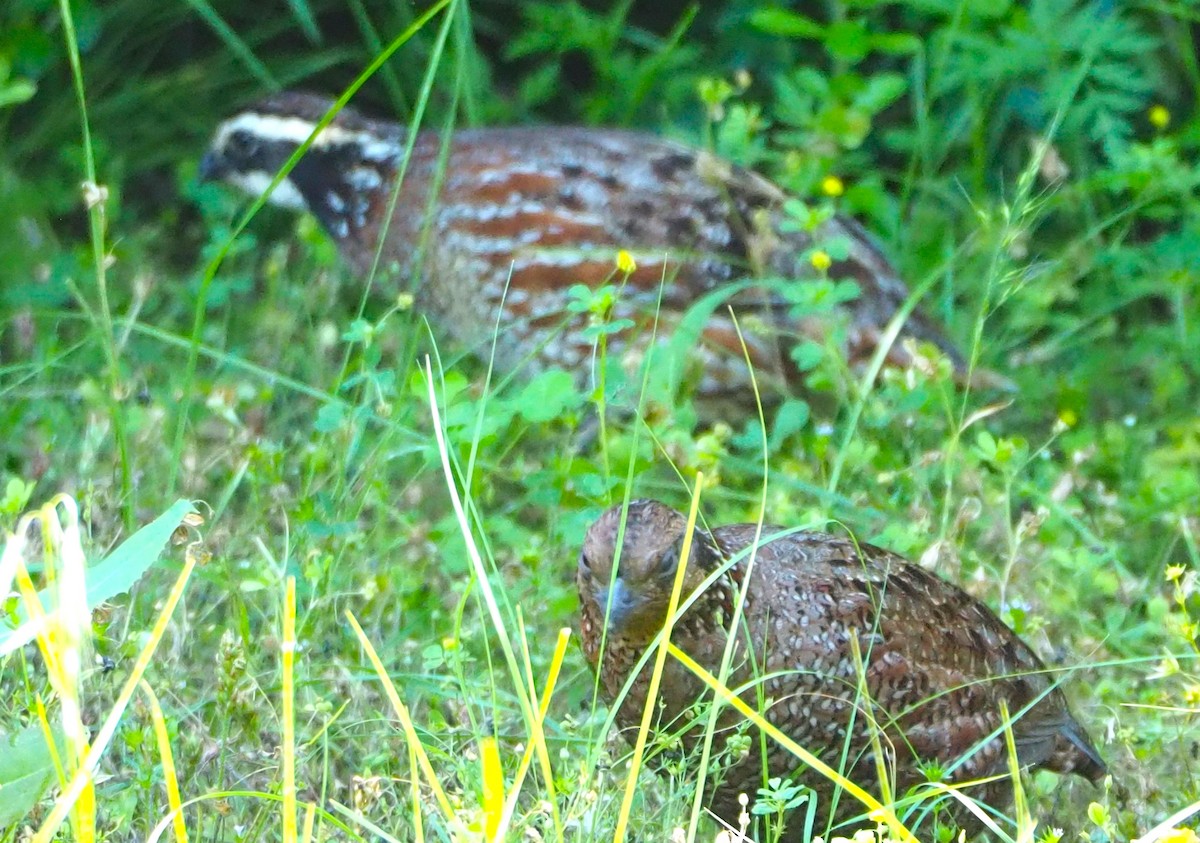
[[519, 216], [937, 662]]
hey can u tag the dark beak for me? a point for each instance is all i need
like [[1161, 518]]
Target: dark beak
[[618, 603], [212, 167]]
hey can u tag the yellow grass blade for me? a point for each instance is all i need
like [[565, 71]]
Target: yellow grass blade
[[62, 636], [873, 730], [538, 741], [410, 733], [168, 762], [74, 632], [310, 817], [660, 660], [414, 779], [878, 812], [83, 776], [493, 788], [288, 651], [51, 743], [1026, 825]]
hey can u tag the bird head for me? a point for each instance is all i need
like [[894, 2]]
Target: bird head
[[627, 575], [342, 164]]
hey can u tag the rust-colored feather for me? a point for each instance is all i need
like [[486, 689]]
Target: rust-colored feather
[[512, 218]]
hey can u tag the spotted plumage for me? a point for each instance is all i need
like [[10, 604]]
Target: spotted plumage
[[516, 217], [937, 663]]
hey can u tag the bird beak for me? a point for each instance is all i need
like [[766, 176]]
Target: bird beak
[[618, 604], [212, 167]]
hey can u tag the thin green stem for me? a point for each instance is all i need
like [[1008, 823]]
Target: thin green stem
[[102, 317]]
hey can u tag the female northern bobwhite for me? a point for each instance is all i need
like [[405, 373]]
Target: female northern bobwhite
[[937, 662], [519, 216]]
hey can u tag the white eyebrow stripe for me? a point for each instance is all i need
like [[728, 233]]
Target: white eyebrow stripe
[[292, 129]]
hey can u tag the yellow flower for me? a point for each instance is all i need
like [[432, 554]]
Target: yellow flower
[[625, 262], [821, 260], [1067, 417], [1180, 835], [1191, 696], [1159, 116], [832, 186]]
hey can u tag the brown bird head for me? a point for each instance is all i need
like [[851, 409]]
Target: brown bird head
[[625, 576]]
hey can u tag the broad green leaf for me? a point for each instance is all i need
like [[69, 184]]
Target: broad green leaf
[[115, 574], [791, 418], [26, 771], [848, 40], [549, 395], [784, 22]]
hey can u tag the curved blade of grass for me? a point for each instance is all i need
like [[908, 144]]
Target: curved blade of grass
[[168, 762], [72, 633], [219, 796], [63, 634], [660, 661], [879, 812], [210, 271], [104, 736], [1164, 828], [538, 743], [477, 566], [234, 43], [288, 692], [410, 731], [710, 727], [58, 651], [1025, 823], [116, 574]]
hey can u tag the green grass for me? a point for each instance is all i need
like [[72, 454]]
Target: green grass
[[340, 479]]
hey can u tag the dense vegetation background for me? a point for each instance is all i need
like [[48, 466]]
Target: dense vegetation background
[[1033, 166]]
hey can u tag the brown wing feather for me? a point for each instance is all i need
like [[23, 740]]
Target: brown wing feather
[[525, 206], [938, 662]]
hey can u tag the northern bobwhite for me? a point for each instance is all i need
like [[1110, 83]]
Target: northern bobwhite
[[937, 662], [520, 215]]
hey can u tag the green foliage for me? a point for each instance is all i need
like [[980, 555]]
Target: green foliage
[[1033, 167], [1092, 63], [113, 575], [27, 773]]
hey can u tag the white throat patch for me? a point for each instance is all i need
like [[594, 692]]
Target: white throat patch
[[285, 194]]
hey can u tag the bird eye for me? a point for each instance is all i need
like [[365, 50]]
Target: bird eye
[[667, 563], [242, 145], [585, 563]]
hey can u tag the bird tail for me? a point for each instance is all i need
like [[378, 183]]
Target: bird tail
[[1074, 753]]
